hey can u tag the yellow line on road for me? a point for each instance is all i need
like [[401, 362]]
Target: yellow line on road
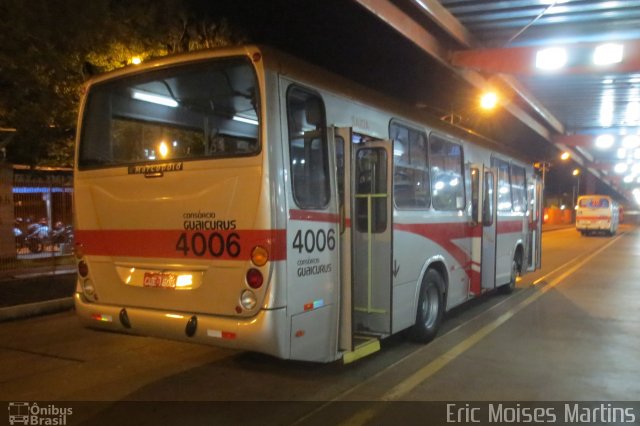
[[440, 362]]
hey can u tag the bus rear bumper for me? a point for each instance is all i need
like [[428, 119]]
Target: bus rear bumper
[[262, 333]]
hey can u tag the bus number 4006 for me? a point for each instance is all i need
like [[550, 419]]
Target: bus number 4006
[[311, 241], [214, 244]]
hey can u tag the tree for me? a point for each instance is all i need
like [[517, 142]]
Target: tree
[[48, 48]]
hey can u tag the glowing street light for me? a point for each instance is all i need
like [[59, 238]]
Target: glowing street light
[[604, 141], [565, 156], [489, 100]]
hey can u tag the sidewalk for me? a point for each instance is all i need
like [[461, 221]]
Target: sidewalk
[[36, 293]]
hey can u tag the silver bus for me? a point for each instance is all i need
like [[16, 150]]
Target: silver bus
[[242, 198]]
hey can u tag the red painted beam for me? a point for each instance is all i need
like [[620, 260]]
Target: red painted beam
[[522, 60]]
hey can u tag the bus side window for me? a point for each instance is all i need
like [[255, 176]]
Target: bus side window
[[447, 180], [411, 171], [487, 207], [308, 149], [518, 188], [340, 180], [505, 202]]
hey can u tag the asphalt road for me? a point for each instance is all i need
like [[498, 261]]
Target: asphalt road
[[562, 335]]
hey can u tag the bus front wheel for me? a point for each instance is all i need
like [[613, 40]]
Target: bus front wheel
[[430, 308]]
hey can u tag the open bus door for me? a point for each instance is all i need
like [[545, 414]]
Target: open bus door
[[534, 255], [364, 186], [484, 214]]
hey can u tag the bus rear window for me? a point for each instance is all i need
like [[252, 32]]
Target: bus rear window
[[594, 203], [199, 111]]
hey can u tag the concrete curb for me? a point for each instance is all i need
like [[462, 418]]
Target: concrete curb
[[38, 308]]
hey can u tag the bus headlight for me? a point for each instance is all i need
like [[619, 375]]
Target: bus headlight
[[248, 300]]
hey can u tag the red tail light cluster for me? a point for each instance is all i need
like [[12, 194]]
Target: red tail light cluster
[[254, 278], [83, 269]]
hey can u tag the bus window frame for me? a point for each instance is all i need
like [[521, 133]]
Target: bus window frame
[[325, 147], [447, 139]]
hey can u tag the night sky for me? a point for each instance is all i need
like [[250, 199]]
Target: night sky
[[343, 37]]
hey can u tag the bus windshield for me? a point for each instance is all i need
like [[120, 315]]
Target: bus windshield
[[201, 110]]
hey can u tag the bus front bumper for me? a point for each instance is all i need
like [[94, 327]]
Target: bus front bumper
[[261, 333]]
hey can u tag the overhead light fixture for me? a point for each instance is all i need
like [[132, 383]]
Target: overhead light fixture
[[154, 99], [489, 100], [631, 142], [565, 156], [245, 120], [620, 168], [628, 179], [607, 54], [604, 141], [551, 59], [632, 114], [621, 153]]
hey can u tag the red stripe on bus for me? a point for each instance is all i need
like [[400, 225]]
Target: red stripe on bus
[[594, 217], [475, 282], [313, 216], [153, 243], [444, 235]]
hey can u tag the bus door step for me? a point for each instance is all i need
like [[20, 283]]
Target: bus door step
[[362, 346]]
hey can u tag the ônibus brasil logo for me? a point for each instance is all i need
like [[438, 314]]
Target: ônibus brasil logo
[[30, 413]]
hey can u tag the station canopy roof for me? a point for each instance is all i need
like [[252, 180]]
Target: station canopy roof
[[569, 70]]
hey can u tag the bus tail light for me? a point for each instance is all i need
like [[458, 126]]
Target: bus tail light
[[83, 269], [254, 278], [79, 251], [259, 256]]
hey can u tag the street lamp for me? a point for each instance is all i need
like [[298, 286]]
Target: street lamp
[[489, 100]]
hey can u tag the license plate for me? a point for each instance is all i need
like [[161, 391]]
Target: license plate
[[159, 280]]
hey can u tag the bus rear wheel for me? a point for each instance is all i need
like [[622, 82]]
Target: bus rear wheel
[[430, 308]]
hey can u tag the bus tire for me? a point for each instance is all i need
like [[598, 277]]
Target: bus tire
[[430, 308], [515, 271]]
